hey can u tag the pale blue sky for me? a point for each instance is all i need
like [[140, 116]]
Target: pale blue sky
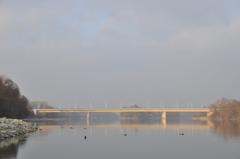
[[90, 52]]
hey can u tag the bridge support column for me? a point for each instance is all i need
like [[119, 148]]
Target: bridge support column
[[210, 124], [88, 119], [35, 112], [209, 114], [164, 119], [209, 121]]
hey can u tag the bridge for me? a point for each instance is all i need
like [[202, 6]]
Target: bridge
[[163, 111]]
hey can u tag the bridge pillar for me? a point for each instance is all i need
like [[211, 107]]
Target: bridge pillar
[[164, 119], [88, 119], [210, 123], [209, 114], [35, 111]]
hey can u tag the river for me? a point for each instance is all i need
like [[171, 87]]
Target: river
[[108, 138]]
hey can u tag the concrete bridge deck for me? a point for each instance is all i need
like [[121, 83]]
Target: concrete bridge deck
[[124, 110]]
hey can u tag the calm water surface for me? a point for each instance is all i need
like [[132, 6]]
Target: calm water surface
[[135, 139]]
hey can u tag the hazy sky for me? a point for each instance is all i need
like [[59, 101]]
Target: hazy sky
[[122, 52]]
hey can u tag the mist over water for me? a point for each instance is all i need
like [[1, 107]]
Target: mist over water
[[123, 136]]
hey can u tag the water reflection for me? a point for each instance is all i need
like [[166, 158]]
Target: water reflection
[[227, 128], [143, 121], [9, 147], [127, 120], [72, 132]]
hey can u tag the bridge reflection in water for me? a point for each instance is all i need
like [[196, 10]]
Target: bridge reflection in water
[[131, 126]]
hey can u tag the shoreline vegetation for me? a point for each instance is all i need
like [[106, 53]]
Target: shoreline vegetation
[[13, 106], [226, 110], [226, 117]]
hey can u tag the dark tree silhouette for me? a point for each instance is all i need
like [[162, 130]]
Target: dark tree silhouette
[[12, 103]]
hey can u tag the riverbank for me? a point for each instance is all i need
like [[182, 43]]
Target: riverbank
[[14, 127]]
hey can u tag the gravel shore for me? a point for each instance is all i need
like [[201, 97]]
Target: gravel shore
[[14, 127]]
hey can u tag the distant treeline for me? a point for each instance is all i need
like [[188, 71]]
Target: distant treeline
[[226, 117], [226, 109], [12, 103]]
